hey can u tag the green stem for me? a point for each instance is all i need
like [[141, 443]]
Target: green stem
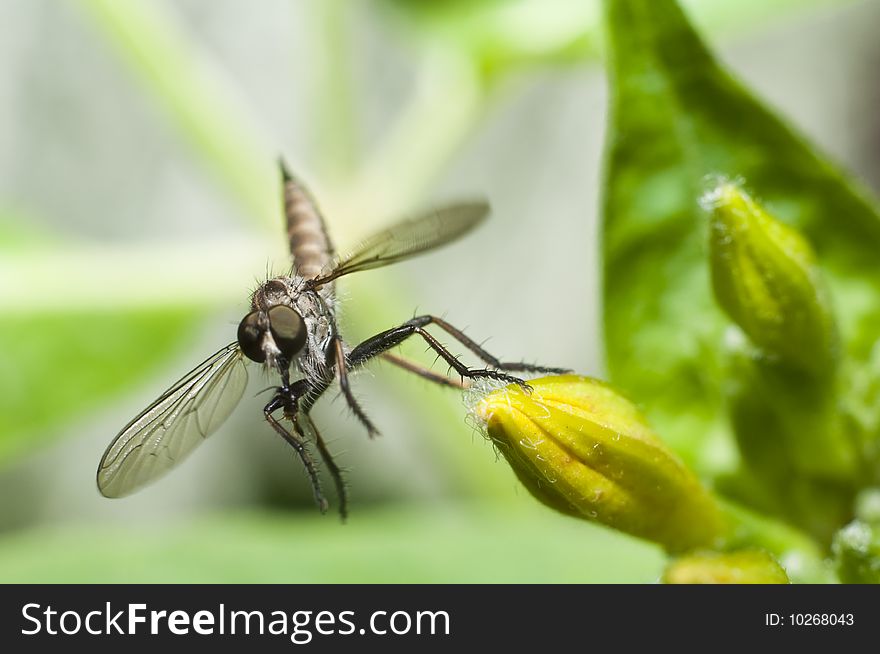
[[448, 103], [145, 276], [800, 555], [336, 139], [208, 110]]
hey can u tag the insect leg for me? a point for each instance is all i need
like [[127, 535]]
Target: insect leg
[[342, 371], [335, 470], [383, 341], [302, 397], [457, 334], [297, 442], [421, 371]]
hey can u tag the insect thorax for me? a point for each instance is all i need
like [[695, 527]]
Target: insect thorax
[[316, 308]]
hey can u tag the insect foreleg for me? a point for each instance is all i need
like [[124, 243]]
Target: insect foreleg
[[332, 467], [297, 401], [297, 442]]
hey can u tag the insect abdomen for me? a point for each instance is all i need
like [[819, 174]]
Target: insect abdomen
[[310, 246]]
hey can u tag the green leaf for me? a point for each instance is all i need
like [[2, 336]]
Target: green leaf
[[676, 117], [77, 329], [429, 545], [58, 366], [209, 111]]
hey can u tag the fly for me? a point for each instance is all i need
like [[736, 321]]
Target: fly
[[291, 329]]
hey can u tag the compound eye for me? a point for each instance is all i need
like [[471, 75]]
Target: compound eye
[[288, 329], [250, 337]]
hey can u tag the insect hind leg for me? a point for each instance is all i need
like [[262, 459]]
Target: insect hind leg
[[473, 346], [422, 371], [384, 341]]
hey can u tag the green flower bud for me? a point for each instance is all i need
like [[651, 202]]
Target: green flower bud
[[856, 550], [742, 567], [792, 436], [765, 276], [582, 449], [797, 455]]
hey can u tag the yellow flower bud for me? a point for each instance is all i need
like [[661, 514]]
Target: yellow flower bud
[[742, 567], [765, 276], [582, 449]]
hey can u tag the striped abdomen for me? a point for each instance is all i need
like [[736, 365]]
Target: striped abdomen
[[310, 246]]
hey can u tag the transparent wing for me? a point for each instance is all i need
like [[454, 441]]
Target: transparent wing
[[171, 427], [409, 238]]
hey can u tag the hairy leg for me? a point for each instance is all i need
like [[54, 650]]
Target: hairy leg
[[421, 371], [298, 443], [380, 343]]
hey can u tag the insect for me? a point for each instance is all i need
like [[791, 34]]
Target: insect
[[291, 329]]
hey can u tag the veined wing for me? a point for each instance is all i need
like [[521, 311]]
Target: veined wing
[[171, 427], [409, 238]]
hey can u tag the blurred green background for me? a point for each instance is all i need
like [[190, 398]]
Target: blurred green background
[[139, 205]]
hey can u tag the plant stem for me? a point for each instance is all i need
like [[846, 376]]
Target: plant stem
[[336, 139], [443, 111], [801, 557], [200, 101], [129, 277]]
